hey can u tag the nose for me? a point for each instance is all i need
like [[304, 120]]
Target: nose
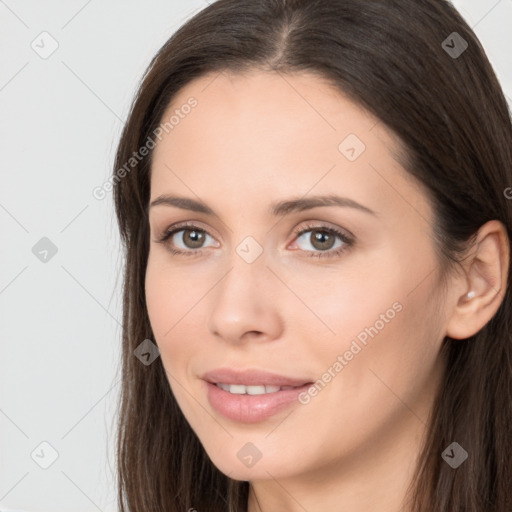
[[245, 303]]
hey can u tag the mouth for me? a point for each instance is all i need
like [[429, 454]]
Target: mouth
[[252, 381], [241, 389], [252, 396]]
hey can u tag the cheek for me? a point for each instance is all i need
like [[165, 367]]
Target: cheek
[[170, 296], [384, 344], [165, 308], [384, 382], [390, 362], [159, 298], [172, 303]]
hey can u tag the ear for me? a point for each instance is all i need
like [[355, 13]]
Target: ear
[[486, 272]]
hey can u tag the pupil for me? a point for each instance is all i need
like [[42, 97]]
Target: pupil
[[196, 238], [320, 237]]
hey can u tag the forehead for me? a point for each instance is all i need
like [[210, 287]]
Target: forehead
[[261, 133], [255, 106]]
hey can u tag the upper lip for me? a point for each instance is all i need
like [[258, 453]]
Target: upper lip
[[251, 378]]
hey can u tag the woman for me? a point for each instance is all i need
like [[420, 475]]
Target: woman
[[313, 201]]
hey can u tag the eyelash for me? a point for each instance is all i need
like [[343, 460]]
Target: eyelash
[[348, 242]]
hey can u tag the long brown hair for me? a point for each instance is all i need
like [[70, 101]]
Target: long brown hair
[[396, 59]]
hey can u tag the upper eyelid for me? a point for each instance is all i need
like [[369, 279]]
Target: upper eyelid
[[304, 226], [186, 225]]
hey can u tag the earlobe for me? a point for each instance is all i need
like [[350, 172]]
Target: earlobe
[[486, 272]]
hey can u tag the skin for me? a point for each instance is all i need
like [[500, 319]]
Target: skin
[[262, 137]]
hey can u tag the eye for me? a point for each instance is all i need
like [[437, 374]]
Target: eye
[[323, 239], [192, 238]]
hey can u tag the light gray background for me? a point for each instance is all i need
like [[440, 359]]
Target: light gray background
[[60, 332]]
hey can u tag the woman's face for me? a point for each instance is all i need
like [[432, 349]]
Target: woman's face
[[355, 313]]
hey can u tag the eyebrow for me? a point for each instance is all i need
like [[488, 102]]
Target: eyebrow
[[277, 209]]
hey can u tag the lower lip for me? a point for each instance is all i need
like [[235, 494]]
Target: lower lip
[[251, 408]]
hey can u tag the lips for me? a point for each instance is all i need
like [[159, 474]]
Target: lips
[[246, 408], [252, 378]]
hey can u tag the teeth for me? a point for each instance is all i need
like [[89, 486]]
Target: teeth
[[240, 389]]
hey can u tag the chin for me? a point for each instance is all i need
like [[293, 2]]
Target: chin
[[236, 468]]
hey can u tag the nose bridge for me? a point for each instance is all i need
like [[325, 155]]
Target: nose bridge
[[250, 250], [247, 276], [241, 301]]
